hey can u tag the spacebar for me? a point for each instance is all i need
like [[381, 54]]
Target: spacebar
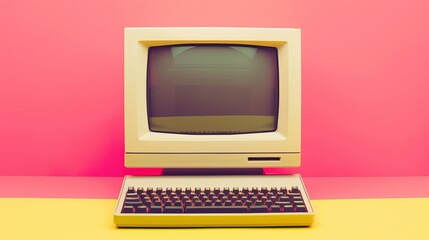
[[216, 209]]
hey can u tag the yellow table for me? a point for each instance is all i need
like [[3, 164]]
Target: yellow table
[[363, 219]]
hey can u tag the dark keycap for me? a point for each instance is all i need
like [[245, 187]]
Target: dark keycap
[[178, 190], [141, 209], [188, 190], [158, 190], [216, 209], [132, 195], [281, 204], [131, 190], [207, 191], [198, 203], [133, 203], [228, 203], [260, 195], [258, 209], [177, 204], [292, 194], [226, 190], [139, 190], [297, 198], [284, 199], [184, 196], [264, 199], [255, 190], [173, 209], [149, 190], [258, 203], [274, 190], [221, 195], [146, 199], [132, 199], [214, 199], [301, 208], [245, 190], [288, 208], [211, 196], [155, 209], [174, 199], [275, 208], [197, 190], [248, 203], [269, 203], [234, 199], [224, 199], [264, 190], [216, 190], [218, 203], [168, 203], [148, 204], [157, 203], [235, 190], [128, 209], [254, 199], [295, 189], [298, 203], [283, 190], [188, 203], [208, 203]]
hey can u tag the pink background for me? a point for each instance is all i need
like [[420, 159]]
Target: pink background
[[365, 106]]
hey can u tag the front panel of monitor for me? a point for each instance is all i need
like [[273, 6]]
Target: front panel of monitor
[[212, 97]]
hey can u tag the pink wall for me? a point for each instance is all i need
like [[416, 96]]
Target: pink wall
[[365, 80]]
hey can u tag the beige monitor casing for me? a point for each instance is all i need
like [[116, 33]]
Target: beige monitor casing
[[146, 149]]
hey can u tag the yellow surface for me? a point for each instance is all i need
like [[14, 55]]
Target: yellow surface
[[335, 219]]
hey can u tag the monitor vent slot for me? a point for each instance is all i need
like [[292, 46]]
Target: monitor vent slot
[[263, 158]]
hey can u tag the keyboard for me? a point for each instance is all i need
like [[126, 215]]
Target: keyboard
[[213, 201]]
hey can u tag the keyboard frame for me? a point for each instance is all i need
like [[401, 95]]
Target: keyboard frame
[[213, 219]]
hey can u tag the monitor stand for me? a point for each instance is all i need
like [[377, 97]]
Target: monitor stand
[[211, 171]]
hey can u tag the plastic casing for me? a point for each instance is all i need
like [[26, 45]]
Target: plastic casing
[[146, 149]]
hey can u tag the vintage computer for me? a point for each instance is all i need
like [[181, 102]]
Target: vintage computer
[[221, 99]]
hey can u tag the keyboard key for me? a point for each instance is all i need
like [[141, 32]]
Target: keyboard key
[[141, 209], [258, 209], [128, 209], [288, 208], [131, 190], [216, 209], [226, 190], [155, 209], [301, 208], [295, 189], [173, 209], [275, 208]]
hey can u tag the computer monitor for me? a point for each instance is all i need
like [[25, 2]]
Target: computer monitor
[[212, 97]]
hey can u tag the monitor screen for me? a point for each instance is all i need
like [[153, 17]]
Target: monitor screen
[[212, 89]]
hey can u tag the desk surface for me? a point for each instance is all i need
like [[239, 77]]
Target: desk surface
[[399, 216]]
